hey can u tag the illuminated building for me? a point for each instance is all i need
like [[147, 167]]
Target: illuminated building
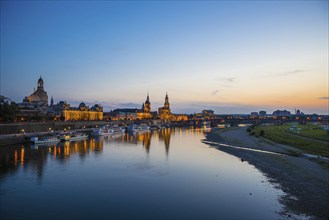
[[145, 111], [39, 96], [165, 114], [36, 104], [82, 113], [133, 114]]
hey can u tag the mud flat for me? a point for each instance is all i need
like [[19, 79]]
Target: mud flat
[[304, 180]]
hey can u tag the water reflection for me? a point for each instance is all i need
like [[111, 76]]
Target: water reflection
[[35, 156], [125, 177]]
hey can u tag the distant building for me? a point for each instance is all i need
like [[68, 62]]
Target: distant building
[[254, 114], [207, 112], [262, 113], [123, 114], [298, 112], [280, 113]]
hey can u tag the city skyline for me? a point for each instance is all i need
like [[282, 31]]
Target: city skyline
[[232, 57]]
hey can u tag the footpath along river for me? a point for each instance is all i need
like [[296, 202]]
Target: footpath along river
[[166, 174]]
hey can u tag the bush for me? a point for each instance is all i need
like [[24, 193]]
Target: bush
[[261, 133], [248, 130], [252, 133]]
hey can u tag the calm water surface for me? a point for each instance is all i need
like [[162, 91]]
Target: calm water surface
[[167, 174]]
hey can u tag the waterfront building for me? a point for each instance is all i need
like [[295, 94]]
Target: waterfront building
[[82, 113], [145, 111], [133, 113], [39, 96], [122, 114], [165, 113], [36, 104]]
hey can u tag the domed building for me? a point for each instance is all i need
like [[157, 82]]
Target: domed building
[[39, 96]]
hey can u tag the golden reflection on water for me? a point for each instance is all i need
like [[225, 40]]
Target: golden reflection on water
[[22, 155]]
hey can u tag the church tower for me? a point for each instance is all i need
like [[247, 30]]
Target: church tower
[[51, 102], [164, 112], [166, 104], [147, 105], [40, 83]]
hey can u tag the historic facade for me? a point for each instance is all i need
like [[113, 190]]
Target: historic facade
[[82, 113], [36, 104], [39, 96], [145, 111], [164, 112]]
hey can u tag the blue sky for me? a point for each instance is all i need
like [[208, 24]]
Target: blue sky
[[233, 57]]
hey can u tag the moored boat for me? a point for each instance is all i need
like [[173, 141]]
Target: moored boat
[[78, 136], [117, 130], [101, 131], [138, 128], [45, 140]]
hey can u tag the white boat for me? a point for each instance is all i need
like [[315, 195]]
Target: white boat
[[117, 130], [102, 131], [78, 136], [138, 128], [45, 140]]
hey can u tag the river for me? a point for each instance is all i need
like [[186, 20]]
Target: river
[[166, 174]]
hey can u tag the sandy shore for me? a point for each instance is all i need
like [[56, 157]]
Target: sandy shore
[[304, 180]]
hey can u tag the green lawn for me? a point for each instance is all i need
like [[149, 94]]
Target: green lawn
[[311, 138]]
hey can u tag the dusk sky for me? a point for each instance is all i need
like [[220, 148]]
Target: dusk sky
[[232, 57]]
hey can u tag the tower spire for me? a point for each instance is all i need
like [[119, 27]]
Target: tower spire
[[166, 104]]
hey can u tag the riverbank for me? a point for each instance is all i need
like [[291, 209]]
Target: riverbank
[[304, 181], [20, 133]]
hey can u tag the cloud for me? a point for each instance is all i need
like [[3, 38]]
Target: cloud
[[290, 73], [230, 79], [227, 79], [324, 98], [215, 92]]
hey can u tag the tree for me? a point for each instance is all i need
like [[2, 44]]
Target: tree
[[8, 111]]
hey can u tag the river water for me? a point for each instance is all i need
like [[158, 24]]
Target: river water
[[166, 174]]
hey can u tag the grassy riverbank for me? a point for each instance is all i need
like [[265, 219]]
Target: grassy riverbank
[[310, 138], [303, 180]]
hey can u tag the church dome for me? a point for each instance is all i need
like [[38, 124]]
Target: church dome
[[82, 105]]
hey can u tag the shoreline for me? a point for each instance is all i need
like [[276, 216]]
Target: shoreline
[[303, 180]]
